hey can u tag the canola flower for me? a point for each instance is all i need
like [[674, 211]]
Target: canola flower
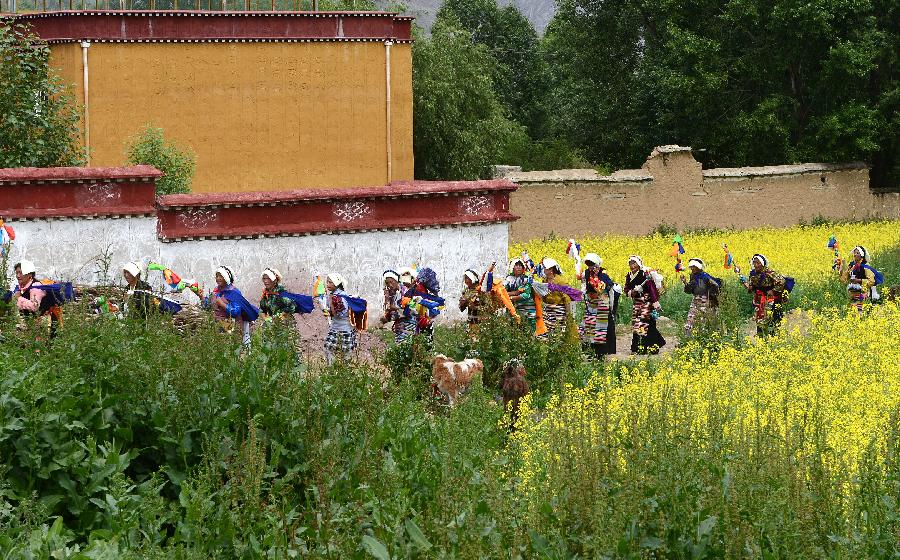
[[838, 378], [799, 251]]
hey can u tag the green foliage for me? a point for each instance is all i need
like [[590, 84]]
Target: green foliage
[[460, 126], [750, 82], [151, 148], [129, 439], [39, 119]]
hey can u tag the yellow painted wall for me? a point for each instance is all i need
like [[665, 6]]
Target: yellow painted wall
[[259, 116]]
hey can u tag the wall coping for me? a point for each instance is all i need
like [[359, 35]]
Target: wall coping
[[780, 170], [195, 26], [38, 175], [578, 176], [394, 190]]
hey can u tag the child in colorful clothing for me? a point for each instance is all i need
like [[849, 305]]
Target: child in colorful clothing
[[598, 329], [769, 295], [341, 339], [860, 278]]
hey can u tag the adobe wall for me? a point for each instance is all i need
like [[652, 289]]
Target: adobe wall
[[672, 188]]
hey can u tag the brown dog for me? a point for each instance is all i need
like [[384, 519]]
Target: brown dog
[[513, 387], [452, 378]]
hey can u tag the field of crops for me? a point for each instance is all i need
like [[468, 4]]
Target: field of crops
[[133, 440]]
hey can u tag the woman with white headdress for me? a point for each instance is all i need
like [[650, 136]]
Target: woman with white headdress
[[861, 278], [769, 294], [140, 302], [598, 328], [641, 287], [347, 315], [276, 301], [704, 291], [230, 307]]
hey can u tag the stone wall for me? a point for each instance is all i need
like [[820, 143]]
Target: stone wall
[[672, 188]]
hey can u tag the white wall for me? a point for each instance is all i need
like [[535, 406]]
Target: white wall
[[70, 249]]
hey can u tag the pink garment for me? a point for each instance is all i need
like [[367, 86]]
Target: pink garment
[[33, 302]]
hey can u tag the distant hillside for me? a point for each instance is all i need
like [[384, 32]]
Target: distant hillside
[[538, 12]]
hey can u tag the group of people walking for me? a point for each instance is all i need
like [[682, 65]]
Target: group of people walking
[[533, 295]]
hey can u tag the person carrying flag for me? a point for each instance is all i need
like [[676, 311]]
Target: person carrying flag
[[861, 279], [704, 292], [770, 291]]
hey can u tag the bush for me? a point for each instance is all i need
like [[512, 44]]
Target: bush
[[150, 148]]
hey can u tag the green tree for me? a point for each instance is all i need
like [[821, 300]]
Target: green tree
[[460, 128], [39, 120], [151, 148], [519, 74], [750, 81]]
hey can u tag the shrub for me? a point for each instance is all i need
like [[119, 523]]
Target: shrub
[[151, 148]]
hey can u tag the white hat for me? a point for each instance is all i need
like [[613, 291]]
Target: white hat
[[338, 280], [272, 274], [636, 259], [406, 273], [391, 274], [515, 261], [762, 260], [26, 267], [862, 252], [471, 275], [697, 263], [226, 274], [551, 263], [132, 268], [593, 258]]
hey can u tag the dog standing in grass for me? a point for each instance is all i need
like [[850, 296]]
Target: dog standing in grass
[[513, 386], [453, 378]]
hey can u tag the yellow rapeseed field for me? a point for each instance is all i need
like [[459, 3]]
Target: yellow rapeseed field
[[827, 392], [799, 251]]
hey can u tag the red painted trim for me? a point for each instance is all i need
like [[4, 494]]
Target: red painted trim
[[402, 205], [73, 192], [72, 174], [192, 26], [397, 189], [29, 192]]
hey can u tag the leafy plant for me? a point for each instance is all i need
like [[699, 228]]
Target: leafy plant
[[151, 148]]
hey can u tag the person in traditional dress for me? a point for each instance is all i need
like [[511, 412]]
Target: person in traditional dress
[[641, 288], [406, 324], [598, 328], [860, 278], [473, 301], [229, 306], [769, 294], [557, 303], [277, 302], [422, 302], [391, 302], [35, 298], [140, 302], [704, 292], [518, 286], [341, 339]]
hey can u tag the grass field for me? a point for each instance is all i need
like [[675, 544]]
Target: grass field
[[132, 440]]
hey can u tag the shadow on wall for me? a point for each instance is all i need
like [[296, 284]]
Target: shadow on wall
[[672, 188]]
